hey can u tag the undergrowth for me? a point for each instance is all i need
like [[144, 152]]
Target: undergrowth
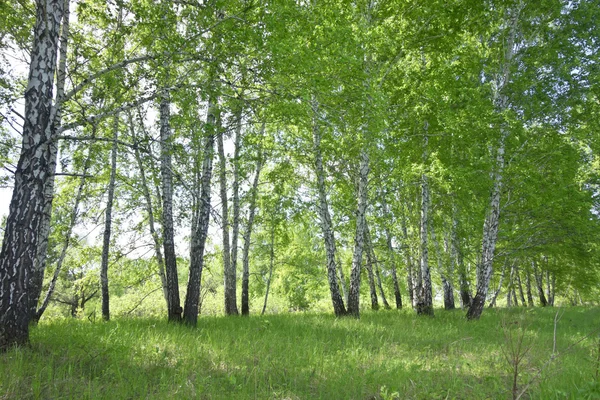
[[384, 355]]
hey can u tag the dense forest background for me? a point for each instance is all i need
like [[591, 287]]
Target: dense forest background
[[238, 156]]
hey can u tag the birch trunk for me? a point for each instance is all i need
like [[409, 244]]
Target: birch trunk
[[371, 277], [326, 226], [424, 287], [42, 250], [236, 202], [166, 171], [465, 292], [228, 274], [387, 216], [519, 285], [490, 234], [63, 253], [376, 269], [447, 287], [528, 288], [492, 220], [108, 224], [150, 211], [247, 237], [341, 277], [359, 236], [409, 263], [539, 284], [497, 292], [34, 168], [200, 230], [271, 265]]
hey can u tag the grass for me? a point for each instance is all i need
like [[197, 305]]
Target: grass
[[384, 355]]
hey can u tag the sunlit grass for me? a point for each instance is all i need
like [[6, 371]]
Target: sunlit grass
[[388, 354]]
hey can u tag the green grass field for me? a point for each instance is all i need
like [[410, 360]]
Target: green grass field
[[384, 355]]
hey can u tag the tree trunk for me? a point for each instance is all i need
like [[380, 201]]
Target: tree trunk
[[388, 236], [539, 284], [236, 202], [337, 300], [228, 274], [108, 224], [248, 235], [39, 268], [492, 219], [519, 285], [375, 265], [27, 206], [370, 275], [456, 254], [271, 265], [409, 263], [150, 211], [166, 171], [528, 287], [446, 280], [342, 277], [424, 287], [63, 253], [359, 236], [200, 229], [497, 292], [552, 289]]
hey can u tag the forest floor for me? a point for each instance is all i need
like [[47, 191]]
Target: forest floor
[[384, 355]]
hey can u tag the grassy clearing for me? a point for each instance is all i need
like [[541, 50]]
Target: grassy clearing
[[383, 355]]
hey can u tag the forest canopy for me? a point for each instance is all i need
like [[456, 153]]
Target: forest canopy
[[169, 155]]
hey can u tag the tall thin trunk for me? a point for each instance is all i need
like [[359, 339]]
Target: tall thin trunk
[[63, 253], [519, 285], [247, 237], [528, 288], [376, 269], [150, 211], [370, 275], [235, 228], [410, 282], [447, 287], [200, 229], [342, 277], [271, 265], [456, 253], [552, 288], [359, 236], [337, 300], [492, 219], [510, 296], [539, 283], [390, 248], [228, 274], [39, 267], [500, 281], [166, 171], [424, 287], [108, 224]]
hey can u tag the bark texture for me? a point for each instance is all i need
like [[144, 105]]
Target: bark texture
[[108, 224], [40, 262], [166, 171], [337, 300], [359, 236], [492, 219], [200, 228], [247, 239], [387, 216], [228, 272], [34, 169]]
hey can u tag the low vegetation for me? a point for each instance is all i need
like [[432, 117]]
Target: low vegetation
[[384, 355]]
